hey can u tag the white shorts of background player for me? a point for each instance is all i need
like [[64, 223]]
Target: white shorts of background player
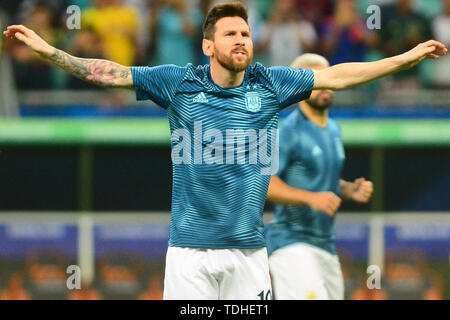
[[303, 272]]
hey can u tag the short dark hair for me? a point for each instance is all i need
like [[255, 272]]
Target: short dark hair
[[219, 11]]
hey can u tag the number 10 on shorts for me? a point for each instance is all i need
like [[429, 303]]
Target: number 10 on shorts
[[263, 295]]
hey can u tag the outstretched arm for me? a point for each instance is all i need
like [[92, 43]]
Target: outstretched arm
[[347, 75], [100, 72], [282, 193]]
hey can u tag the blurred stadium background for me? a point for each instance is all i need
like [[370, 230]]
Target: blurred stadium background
[[85, 173]]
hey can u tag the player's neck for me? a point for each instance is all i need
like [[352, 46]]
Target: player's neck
[[318, 117], [225, 78]]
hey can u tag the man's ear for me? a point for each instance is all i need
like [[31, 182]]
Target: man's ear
[[208, 47]]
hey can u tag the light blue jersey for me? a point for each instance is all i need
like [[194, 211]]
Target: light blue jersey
[[218, 202], [311, 158]]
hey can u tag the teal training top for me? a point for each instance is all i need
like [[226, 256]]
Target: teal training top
[[217, 135], [311, 158]]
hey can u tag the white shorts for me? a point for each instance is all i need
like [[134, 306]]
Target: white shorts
[[217, 274], [304, 272]]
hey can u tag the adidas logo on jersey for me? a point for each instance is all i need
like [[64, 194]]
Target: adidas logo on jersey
[[317, 151], [200, 98]]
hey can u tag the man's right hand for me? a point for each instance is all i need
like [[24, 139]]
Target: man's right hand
[[30, 38], [327, 202], [96, 71]]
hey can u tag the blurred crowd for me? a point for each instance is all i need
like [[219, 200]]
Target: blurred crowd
[[41, 275], [408, 276], [154, 32]]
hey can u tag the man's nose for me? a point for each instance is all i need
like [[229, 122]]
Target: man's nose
[[240, 40]]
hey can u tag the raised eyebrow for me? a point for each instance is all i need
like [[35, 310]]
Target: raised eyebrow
[[234, 31]]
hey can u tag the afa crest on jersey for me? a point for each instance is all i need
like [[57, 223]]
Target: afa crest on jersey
[[252, 101]]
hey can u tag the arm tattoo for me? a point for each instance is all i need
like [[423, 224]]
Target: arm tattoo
[[100, 72], [124, 74]]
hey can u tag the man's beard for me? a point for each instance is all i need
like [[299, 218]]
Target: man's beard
[[314, 103], [228, 63]]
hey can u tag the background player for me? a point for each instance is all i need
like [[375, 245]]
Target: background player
[[301, 242], [216, 242]]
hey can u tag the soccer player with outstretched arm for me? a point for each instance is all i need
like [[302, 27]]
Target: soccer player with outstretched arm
[[217, 248], [308, 190]]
